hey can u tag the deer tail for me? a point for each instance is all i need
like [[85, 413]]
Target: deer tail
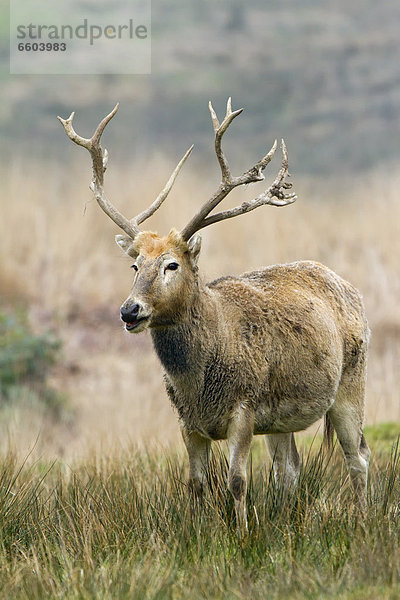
[[328, 432]]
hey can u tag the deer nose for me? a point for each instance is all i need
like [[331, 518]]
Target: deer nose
[[130, 313]]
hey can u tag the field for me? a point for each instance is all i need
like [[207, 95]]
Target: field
[[93, 501], [60, 265], [124, 526], [93, 495]]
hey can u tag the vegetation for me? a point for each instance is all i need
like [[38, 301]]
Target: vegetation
[[125, 527], [24, 357], [25, 362]]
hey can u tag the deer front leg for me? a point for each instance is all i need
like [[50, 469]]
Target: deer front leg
[[198, 448], [240, 435]]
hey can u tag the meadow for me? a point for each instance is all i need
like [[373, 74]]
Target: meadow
[[59, 265], [124, 526], [93, 499]]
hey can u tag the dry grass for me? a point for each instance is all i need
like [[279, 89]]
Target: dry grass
[[66, 270], [124, 526]]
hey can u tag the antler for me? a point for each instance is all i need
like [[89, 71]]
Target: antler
[[273, 195], [99, 165]]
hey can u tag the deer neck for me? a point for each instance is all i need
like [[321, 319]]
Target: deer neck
[[183, 346]]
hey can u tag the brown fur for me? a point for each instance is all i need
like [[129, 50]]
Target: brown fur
[[267, 352], [152, 245]]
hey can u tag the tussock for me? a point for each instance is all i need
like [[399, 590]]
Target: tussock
[[124, 526]]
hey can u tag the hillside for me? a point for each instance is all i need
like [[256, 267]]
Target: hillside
[[325, 76]]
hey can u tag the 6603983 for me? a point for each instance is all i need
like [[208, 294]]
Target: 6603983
[[42, 46]]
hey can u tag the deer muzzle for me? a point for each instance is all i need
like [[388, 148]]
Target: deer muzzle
[[135, 315]]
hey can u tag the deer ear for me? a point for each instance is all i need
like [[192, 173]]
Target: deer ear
[[194, 249], [126, 243]]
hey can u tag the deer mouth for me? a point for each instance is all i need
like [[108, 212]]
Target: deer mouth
[[134, 325]]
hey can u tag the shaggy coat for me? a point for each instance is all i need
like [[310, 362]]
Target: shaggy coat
[[279, 340], [267, 352]]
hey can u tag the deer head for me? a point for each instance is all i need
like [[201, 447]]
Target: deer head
[[164, 282], [166, 267]]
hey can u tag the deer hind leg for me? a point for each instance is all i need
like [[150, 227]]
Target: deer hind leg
[[285, 458], [347, 417], [198, 448], [240, 435]]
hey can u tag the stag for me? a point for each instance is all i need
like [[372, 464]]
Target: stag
[[267, 352]]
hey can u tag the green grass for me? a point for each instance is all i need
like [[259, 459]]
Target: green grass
[[381, 435], [125, 527]]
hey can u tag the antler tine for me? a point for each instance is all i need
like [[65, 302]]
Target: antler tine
[[71, 133], [228, 183], [260, 166], [274, 195], [229, 116], [99, 165], [219, 130], [92, 144], [163, 194], [101, 126], [214, 117]]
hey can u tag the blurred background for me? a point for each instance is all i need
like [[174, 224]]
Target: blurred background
[[324, 76]]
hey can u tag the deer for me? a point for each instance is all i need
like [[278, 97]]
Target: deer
[[268, 352]]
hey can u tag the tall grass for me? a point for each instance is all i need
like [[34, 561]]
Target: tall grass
[[126, 527], [58, 260]]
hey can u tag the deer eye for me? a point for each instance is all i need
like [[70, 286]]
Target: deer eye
[[134, 267], [172, 266]]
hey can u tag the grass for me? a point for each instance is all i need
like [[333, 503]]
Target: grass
[[125, 527]]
